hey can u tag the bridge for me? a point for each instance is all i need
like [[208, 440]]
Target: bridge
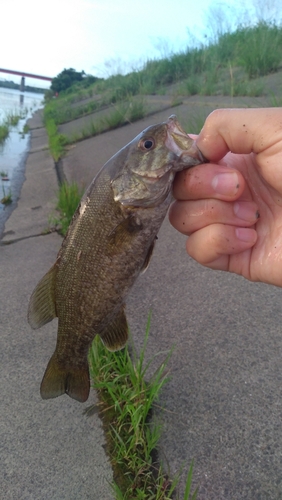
[[24, 75]]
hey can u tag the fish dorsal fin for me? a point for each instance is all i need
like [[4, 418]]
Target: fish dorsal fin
[[115, 336], [42, 307]]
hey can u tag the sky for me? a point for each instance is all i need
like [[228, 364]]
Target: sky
[[101, 37]]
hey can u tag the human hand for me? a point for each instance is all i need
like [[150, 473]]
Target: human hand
[[231, 208]]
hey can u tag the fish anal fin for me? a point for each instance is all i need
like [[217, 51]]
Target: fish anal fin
[[57, 381], [42, 308], [115, 336], [148, 257]]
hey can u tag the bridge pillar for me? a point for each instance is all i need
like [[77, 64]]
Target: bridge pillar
[[22, 84]]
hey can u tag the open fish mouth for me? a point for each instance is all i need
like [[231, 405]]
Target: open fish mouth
[[182, 144], [184, 151]]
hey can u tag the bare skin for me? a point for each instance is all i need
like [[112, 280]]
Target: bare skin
[[231, 208]]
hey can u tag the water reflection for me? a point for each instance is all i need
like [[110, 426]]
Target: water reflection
[[13, 151]]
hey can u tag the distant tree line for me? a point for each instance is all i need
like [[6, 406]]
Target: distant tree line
[[69, 77], [12, 85]]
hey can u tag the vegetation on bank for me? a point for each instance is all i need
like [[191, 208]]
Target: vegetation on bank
[[4, 132], [68, 198], [7, 197], [10, 120], [232, 65], [126, 402]]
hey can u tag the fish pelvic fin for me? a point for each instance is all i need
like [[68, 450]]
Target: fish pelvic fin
[[42, 308], [115, 336], [148, 257], [57, 381]]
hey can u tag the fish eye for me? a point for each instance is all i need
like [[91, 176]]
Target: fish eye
[[147, 144]]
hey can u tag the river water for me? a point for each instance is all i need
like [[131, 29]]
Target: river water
[[13, 151]]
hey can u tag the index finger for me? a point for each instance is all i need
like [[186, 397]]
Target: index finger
[[240, 131]]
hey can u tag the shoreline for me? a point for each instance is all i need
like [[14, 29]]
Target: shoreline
[[15, 185], [36, 186]]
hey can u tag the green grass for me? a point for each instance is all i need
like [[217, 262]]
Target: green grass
[[68, 198], [57, 142], [25, 129], [275, 101], [126, 403], [7, 198], [11, 120], [4, 132], [119, 114]]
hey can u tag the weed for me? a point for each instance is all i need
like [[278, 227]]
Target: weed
[[126, 402], [25, 128], [13, 119], [3, 174], [4, 132], [193, 85], [69, 196], [259, 48], [7, 198], [116, 117], [176, 101], [275, 101], [57, 142], [195, 122], [136, 110]]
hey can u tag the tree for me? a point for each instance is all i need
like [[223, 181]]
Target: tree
[[66, 79]]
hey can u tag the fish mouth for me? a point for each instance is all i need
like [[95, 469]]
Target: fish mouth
[[184, 152], [182, 145]]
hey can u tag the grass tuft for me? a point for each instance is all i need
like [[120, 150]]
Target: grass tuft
[[57, 142], [126, 402], [7, 198], [4, 132], [69, 196]]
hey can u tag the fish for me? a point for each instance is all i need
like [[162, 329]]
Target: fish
[[109, 243]]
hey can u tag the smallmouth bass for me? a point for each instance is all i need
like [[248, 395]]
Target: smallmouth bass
[[108, 244]]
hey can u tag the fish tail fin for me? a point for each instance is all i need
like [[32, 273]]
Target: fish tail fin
[[58, 380]]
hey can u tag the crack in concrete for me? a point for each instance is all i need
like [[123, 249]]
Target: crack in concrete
[[10, 242]]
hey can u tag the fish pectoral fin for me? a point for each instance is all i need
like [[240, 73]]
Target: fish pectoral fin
[[57, 381], [41, 308], [148, 257], [115, 336], [125, 229]]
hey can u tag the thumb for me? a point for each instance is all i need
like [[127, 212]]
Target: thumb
[[240, 131]]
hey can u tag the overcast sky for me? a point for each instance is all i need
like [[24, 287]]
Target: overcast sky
[[97, 36]]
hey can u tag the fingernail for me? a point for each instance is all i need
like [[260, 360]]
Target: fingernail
[[245, 234], [245, 211], [227, 183]]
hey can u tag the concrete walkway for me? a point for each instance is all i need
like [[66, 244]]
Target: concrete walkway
[[49, 449]]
